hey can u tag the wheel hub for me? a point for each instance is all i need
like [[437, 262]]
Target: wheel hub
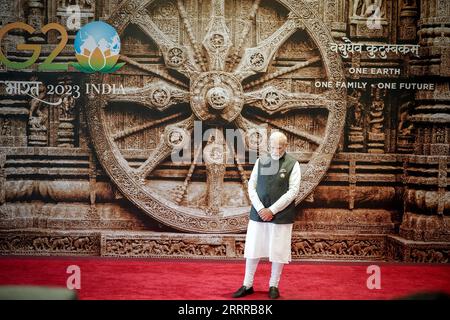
[[216, 95]]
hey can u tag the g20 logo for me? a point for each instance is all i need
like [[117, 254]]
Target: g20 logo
[[97, 47], [48, 64]]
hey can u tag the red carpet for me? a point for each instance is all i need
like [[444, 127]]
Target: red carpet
[[103, 278]]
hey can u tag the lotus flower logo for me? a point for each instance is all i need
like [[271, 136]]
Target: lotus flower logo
[[97, 47]]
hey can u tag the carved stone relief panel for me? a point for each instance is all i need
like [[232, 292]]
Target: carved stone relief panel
[[205, 71]]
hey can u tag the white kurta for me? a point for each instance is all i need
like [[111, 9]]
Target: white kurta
[[265, 239]]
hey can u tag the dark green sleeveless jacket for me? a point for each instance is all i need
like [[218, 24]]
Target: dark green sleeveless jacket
[[272, 184]]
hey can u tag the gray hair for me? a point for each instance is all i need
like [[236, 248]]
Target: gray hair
[[278, 136]]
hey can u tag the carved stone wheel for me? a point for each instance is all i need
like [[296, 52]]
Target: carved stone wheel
[[241, 65]]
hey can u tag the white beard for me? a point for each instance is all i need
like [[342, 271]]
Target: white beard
[[276, 157]]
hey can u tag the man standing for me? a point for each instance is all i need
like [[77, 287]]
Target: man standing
[[272, 188]]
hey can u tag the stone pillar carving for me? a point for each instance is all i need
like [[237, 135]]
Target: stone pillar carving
[[66, 128], [2, 178], [335, 17], [407, 26], [356, 132], [38, 121], [432, 111], [405, 128], [376, 135], [427, 203], [66, 118], [11, 11], [36, 19], [13, 121]]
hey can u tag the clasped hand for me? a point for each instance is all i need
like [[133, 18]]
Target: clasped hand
[[265, 214]]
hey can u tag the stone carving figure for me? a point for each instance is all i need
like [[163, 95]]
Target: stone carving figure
[[356, 135], [404, 125], [376, 117], [365, 8], [67, 107], [355, 100], [37, 117]]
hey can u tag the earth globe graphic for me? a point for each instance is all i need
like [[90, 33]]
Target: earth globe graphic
[[97, 47]]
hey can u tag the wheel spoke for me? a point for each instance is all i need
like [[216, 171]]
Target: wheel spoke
[[176, 56], [217, 41], [272, 100], [257, 59], [234, 58], [181, 191], [173, 139], [300, 133], [156, 95], [195, 45], [282, 72], [255, 135], [153, 71], [147, 125]]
